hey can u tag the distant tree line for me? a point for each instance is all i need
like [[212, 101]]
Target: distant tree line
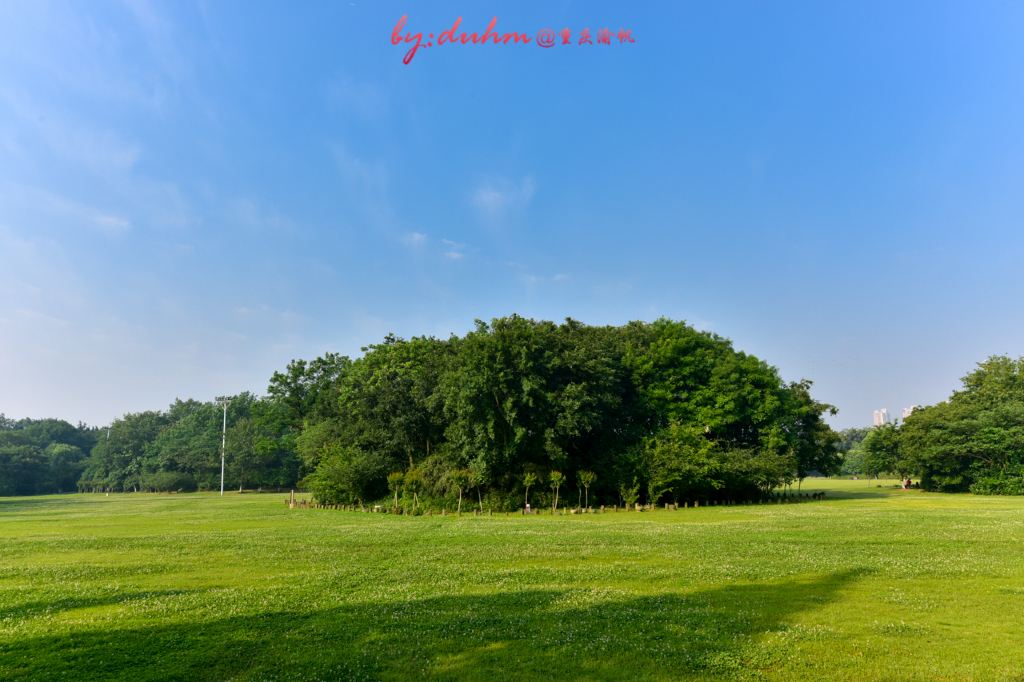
[[515, 410], [973, 441], [179, 449], [42, 455], [520, 410], [654, 412]]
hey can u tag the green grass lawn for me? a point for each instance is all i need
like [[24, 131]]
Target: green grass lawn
[[873, 583]]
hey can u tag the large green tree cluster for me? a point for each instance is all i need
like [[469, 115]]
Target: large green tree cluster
[[42, 455], [655, 411], [849, 447], [179, 449], [974, 440], [675, 411]]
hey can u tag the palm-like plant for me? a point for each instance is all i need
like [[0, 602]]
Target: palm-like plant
[[460, 480], [477, 478], [413, 483], [586, 479], [395, 479], [529, 480], [556, 480]]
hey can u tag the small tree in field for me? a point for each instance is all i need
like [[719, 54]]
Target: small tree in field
[[555, 481], [630, 494], [586, 479], [477, 478], [459, 480], [413, 483], [395, 479], [529, 480]]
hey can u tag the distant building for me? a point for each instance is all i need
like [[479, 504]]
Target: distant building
[[881, 417], [907, 411]]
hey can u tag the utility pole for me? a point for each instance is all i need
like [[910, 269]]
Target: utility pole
[[223, 400]]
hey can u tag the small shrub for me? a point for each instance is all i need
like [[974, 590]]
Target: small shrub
[[999, 485], [169, 481]]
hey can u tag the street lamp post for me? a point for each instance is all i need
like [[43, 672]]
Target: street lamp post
[[224, 401]]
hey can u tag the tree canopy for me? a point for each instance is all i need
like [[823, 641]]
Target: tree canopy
[[975, 440], [42, 455], [660, 408]]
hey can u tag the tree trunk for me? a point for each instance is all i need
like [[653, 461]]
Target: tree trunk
[[586, 497], [460, 501]]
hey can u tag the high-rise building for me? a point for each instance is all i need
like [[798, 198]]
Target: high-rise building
[[881, 417], [907, 411]]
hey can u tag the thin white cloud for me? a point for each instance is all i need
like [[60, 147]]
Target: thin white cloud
[[454, 251], [361, 175], [161, 39], [34, 201], [100, 151], [252, 215], [367, 184], [414, 240], [112, 224], [494, 199], [532, 280], [364, 99], [39, 316]]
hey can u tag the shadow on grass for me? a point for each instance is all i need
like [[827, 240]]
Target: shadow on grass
[[551, 634], [34, 502], [49, 607], [868, 492]]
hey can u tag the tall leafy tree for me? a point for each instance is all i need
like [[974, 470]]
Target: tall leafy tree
[[586, 479], [975, 439], [120, 457], [882, 451]]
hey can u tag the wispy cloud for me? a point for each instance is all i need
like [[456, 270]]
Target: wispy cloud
[[369, 177], [89, 147], [367, 184], [34, 201], [367, 100], [161, 38], [532, 280], [39, 316], [414, 240], [253, 216], [453, 250], [494, 199]]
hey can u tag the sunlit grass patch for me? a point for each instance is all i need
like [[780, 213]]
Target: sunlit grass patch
[[203, 587]]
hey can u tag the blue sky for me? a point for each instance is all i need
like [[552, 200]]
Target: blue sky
[[192, 194]]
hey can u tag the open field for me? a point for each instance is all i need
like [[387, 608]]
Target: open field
[[871, 584]]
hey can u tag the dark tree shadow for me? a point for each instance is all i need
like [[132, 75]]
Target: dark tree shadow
[[34, 502], [869, 491], [557, 634], [37, 608]]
